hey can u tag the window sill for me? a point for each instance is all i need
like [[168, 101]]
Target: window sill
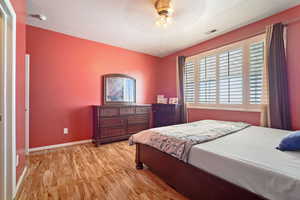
[[227, 109]]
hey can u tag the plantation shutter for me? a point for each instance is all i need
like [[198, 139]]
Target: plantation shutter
[[189, 82], [256, 72], [231, 77], [207, 80]]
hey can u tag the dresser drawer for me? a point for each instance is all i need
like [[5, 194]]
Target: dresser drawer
[[109, 112], [112, 122], [127, 111], [165, 114], [112, 132], [142, 110], [138, 119], [166, 108], [137, 128], [118, 122]]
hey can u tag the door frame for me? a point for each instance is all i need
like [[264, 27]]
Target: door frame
[[27, 102], [2, 147], [8, 139]]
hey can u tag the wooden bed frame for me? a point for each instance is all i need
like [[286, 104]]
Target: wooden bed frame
[[188, 180]]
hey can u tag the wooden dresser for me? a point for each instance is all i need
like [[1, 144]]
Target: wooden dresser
[[118, 122], [165, 114]]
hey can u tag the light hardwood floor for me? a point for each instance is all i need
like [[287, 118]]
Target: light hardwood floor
[[88, 172]]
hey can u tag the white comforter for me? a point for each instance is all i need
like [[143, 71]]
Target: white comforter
[[249, 159]]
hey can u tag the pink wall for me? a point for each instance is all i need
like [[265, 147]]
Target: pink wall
[[66, 80], [168, 66], [225, 115], [20, 9], [293, 54]]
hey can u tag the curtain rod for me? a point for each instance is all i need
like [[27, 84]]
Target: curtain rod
[[286, 23]]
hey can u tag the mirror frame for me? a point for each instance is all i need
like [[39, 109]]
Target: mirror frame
[[105, 77]]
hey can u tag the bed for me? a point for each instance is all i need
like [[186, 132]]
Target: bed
[[242, 165]]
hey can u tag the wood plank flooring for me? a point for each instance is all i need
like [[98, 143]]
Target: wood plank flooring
[[88, 172]]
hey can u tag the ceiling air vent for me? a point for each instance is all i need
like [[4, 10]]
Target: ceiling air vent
[[211, 31]]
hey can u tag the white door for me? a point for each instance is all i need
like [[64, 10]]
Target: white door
[[27, 103], [2, 137], [7, 100]]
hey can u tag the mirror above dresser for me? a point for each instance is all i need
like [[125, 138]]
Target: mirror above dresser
[[119, 89], [119, 116]]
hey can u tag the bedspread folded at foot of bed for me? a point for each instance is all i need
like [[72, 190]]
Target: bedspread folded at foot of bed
[[177, 140]]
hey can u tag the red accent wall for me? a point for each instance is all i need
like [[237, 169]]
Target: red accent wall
[[293, 55], [20, 9], [167, 74], [225, 115], [66, 80]]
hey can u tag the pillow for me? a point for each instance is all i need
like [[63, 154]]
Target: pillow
[[290, 142]]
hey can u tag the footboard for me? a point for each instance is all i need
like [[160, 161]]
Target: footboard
[[187, 179]]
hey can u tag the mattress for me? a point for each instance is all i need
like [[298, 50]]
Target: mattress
[[250, 160]]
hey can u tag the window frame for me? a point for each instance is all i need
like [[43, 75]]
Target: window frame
[[246, 105]]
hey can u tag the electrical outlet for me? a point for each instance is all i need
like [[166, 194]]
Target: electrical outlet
[[66, 131], [17, 160]]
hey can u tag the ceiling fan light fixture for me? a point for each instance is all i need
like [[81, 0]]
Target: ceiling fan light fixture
[[163, 21], [165, 11], [171, 10]]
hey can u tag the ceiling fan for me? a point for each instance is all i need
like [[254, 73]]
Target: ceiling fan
[[164, 10]]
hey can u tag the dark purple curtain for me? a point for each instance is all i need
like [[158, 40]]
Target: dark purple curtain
[[278, 83], [183, 111]]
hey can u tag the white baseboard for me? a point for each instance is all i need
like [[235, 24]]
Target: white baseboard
[[21, 179], [59, 145]]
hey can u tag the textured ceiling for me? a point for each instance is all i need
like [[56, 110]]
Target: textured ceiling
[[131, 23]]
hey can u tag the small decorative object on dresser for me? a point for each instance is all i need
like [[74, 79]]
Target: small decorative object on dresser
[[173, 100], [162, 99], [165, 114], [118, 122]]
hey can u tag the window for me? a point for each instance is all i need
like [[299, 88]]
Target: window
[[208, 80], [256, 72], [231, 76], [189, 82]]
